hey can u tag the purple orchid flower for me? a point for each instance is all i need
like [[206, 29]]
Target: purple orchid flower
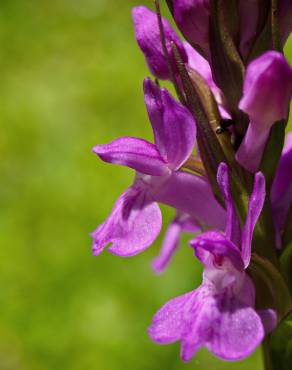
[[281, 194], [266, 95], [220, 314], [135, 221], [182, 223]]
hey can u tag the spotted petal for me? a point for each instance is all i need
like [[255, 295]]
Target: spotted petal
[[133, 225]]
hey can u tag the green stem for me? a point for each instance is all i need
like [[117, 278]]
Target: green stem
[[268, 363]]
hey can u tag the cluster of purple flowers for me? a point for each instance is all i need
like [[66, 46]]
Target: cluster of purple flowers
[[218, 159]]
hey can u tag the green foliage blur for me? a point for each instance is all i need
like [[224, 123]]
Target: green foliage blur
[[71, 77]]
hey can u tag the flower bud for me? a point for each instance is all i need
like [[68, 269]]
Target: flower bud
[[266, 96], [150, 41], [192, 18]]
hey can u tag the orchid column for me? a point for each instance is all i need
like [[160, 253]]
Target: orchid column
[[220, 160]]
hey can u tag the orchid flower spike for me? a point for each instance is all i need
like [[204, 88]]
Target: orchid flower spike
[[234, 86]]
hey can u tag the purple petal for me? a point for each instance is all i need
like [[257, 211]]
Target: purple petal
[[266, 97], [269, 319], [148, 38], [217, 320], [192, 18], [173, 125], [134, 153], [255, 206], [267, 89], [232, 229], [236, 329], [171, 240], [192, 195], [168, 323], [281, 194], [133, 225], [221, 321], [214, 250], [251, 150]]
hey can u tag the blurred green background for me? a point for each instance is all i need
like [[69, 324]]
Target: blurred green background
[[70, 77]]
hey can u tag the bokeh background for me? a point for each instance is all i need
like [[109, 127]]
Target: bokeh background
[[70, 77]]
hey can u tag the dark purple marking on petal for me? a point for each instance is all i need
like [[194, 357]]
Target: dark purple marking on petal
[[213, 249], [132, 226]]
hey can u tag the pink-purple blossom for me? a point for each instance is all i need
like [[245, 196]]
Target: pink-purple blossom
[[220, 314], [209, 162], [135, 220]]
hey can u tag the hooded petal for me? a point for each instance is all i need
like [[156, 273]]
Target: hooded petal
[[173, 125], [267, 89], [214, 250], [149, 40], [266, 97], [232, 229], [192, 18], [135, 153], [255, 206], [133, 225], [171, 240], [192, 195], [281, 195]]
